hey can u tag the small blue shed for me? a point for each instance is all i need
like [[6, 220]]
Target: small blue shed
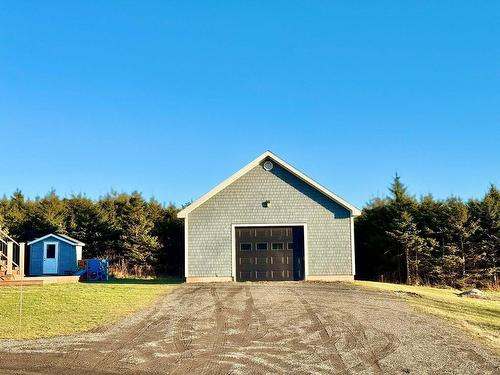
[[54, 254]]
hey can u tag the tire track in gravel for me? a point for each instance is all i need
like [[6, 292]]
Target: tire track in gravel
[[355, 339], [182, 339], [212, 366], [136, 334], [183, 334], [335, 359], [206, 362], [130, 339], [242, 337], [245, 336], [358, 338]]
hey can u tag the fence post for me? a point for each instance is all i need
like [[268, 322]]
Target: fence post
[[10, 255], [21, 259]]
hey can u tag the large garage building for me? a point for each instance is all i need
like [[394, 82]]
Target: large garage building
[[269, 222]]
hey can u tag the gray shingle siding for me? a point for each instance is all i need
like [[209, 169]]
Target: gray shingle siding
[[292, 201]]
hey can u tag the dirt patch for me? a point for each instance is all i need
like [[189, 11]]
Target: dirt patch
[[259, 329], [404, 293], [473, 293]]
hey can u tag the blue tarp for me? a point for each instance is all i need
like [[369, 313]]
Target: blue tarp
[[95, 270]]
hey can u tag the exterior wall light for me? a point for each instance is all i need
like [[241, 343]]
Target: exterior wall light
[[266, 204]]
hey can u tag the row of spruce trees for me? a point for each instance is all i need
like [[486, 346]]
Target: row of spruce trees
[[125, 228], [429, 241], [398, 238]]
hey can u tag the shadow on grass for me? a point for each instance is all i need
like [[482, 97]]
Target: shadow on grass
[[156, 281]]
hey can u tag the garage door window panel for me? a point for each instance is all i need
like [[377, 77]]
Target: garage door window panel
[[262, 246], [246, 246], [277, 246]]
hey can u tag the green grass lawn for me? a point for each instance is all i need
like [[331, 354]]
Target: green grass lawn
[[61, 309], [478, 317]]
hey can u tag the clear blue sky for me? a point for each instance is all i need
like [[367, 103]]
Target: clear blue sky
[[171, 97]]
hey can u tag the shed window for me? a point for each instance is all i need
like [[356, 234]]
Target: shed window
[[51, 251], [277, 246], [262, 246], [245, 247]]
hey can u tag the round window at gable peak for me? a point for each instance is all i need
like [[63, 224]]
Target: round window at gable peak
[[268, 165]]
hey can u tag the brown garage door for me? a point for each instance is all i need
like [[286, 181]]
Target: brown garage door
[[269, 253]]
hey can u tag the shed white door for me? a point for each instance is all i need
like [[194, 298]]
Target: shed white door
[[50, 257]]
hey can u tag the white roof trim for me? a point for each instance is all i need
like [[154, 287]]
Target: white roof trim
[[78, 243], [268, 154]]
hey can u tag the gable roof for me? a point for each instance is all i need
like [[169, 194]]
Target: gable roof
[[61, 237], [268, 155]]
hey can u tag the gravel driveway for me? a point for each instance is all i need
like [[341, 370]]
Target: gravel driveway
[[259, 329]]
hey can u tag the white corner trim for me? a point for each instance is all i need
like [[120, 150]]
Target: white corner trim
[[233, 243], [268, 154], [186, 247], [79, 252], [353, 257], [233, 252]]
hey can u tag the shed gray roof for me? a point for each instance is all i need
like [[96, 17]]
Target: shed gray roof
[[62, 237]]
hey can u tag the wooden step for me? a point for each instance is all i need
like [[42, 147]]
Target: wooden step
[[15, 275]]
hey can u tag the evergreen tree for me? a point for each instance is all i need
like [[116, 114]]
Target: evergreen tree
[[85, 220], [47, 216], [16, 214], [137, 240], [487, 213], [458, 228], [405, 233], [399, 198], [401, 206], [428, 217], [170, 232]]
